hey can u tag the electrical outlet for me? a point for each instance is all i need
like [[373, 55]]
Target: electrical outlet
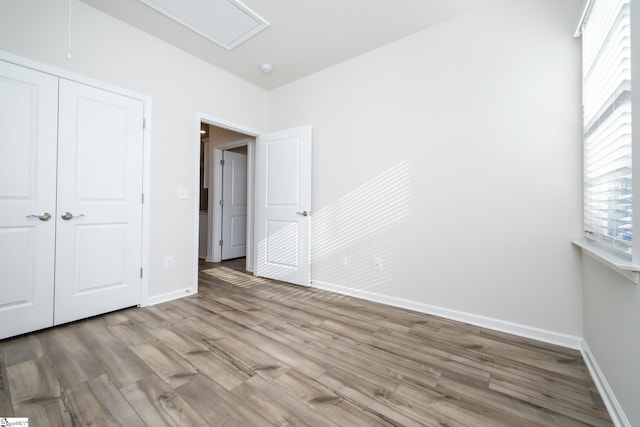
[[168, 262], [342, 261], [377, 264]]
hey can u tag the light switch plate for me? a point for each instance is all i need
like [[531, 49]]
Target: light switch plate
[[183, 193]]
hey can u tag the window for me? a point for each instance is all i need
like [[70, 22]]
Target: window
[[606, 47]]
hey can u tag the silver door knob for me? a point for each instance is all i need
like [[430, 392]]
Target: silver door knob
[[68, 215], [42, 217], [303, 213]]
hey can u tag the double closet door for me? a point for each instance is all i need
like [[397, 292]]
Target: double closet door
[[71, 160]]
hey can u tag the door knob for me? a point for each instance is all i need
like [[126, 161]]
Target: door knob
[[303, 213], [68, 215], [42, 217]]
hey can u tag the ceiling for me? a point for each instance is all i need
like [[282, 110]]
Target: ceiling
[[304, 36]]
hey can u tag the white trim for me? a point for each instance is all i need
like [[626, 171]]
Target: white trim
[[146, 206], [170, 296], [614, 261], [226, 124], [196, 208], [215, 192], [635, 126], [260, 23], [586, 4], [251, 197], [613, 406], [543, 335], [146, 166], [211, 252]]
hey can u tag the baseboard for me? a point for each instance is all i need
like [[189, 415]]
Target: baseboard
[[613, 406], [550, 337], [169, 296]]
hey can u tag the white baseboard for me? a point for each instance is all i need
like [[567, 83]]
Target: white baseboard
[[543, 335], [169, 296], [613, 406]]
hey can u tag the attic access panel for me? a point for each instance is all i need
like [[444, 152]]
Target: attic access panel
[[227, 23]]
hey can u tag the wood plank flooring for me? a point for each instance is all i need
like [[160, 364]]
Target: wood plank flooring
[[254, 352]]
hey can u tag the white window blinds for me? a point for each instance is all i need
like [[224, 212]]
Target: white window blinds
[[607, 122]]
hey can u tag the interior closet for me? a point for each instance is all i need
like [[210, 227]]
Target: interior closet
[[71, 163]]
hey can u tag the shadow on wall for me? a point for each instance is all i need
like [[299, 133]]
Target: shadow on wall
[[350, 244]]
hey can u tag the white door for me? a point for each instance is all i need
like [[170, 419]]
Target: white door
[[283, 205], [28, 123], [99, 215], [234, 208]]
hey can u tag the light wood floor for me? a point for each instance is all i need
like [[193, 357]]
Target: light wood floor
[[252, 352]]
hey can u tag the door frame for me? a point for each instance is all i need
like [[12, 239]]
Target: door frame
[[146, 158], [214, 252], [215, 189]]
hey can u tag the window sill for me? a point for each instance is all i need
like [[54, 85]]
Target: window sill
[[612, 260]]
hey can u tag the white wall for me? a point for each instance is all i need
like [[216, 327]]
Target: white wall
[[181, 86], [454, 155], [611, 303], [612, 331]]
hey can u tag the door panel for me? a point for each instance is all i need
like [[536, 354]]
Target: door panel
[[239, 233], [282, 244], [282, 164], [234, 210], [15, 242], [28, 123], [101, 146], [99, 250], [100, 150], [283, 204]]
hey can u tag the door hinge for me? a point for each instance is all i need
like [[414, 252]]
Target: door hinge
[[141, 272], [222, 162], [221, 242], [144, 123], [142, 198], [221, 202]]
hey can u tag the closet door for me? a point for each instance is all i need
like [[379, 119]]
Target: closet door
[[28, 132], [99, 216]]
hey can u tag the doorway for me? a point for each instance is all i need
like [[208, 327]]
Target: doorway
[[282, 252], [225, 213]]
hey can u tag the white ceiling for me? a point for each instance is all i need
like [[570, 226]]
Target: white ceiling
[[305, 36]]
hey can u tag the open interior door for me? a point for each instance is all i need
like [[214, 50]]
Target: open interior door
[[283, 205], [234, 209]]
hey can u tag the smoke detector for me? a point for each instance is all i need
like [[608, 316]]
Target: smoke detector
[[266, 68]]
